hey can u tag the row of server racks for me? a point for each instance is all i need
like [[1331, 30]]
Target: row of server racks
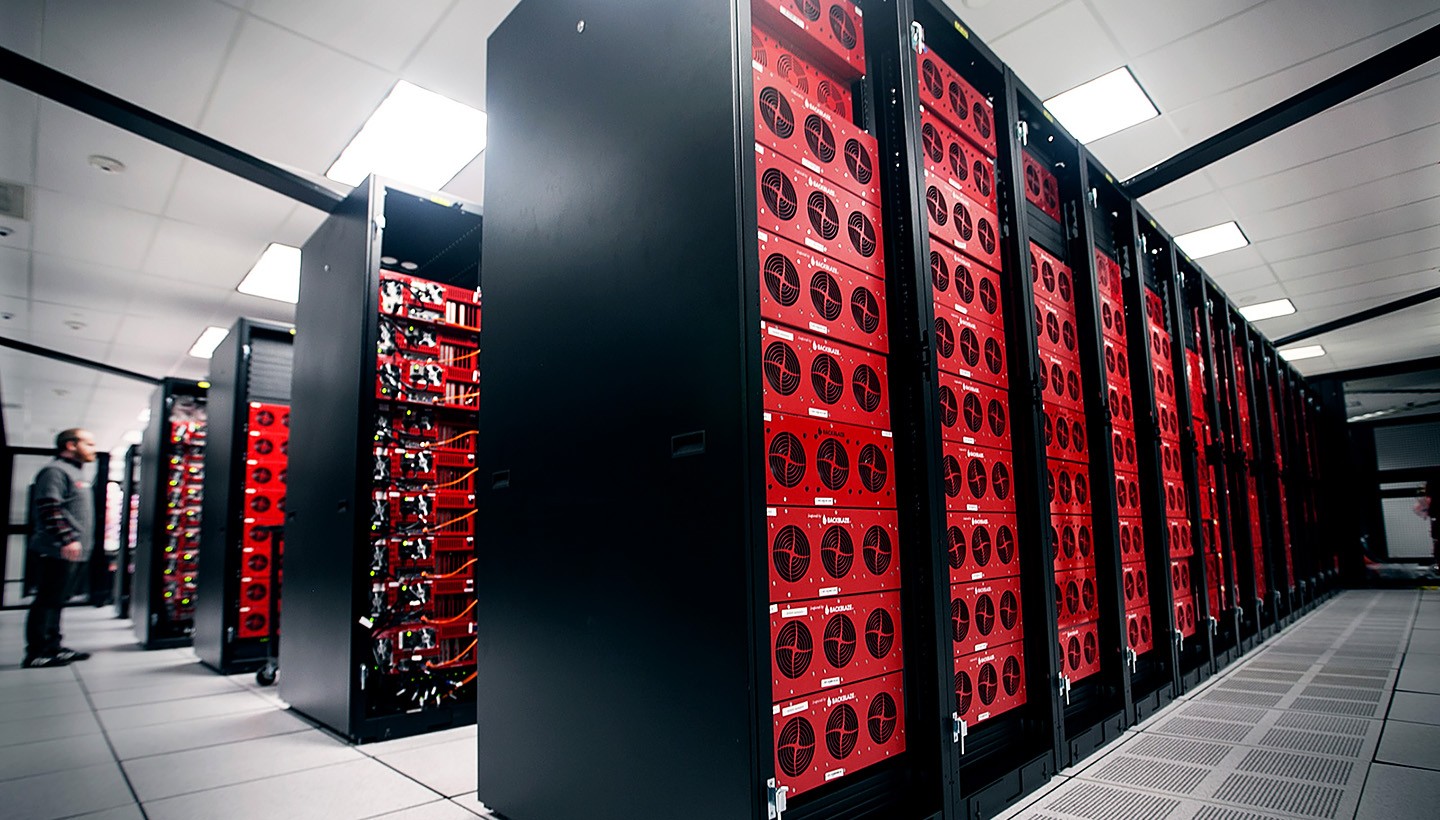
[[859, 447]]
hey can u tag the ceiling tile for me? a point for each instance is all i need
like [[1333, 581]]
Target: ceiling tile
[[1341, 224], [470, 182], [65, 323], [18, 114], [1256, 295], [288, 99], [1246, 261], [90, 231], [1188, 187], [21, 32], [160, 297], [1307, 281], [1144, 25], [151, 362], [14, 315], [1412, 192], [452, 60], [1043, 56], [163, 55], [205, 195], [1363, 253], [1126, 153], [14, 272], [297, 228], [20, 234], [1369, 294], [1194, 214], [81, 285], [200, 255], [68, 139], [170, 335], [383, 34], [987, 19]]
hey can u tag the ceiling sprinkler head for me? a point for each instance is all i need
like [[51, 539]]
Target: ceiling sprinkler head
[[109, 165], [6, 230], [75, 324]]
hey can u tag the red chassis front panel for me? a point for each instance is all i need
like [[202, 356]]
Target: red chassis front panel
[[990, 683], [830, 31], [947, 94], [821, 644], [961, 222], [1080, 651], [812, 292], [963, 285], [973, 413], [957, 161], [817, 84], [814, 552], [815, 463], [804, 207], [788, 123], [970, 349], [981, 546], [984, 614], [862, 723], [977, 479], [812, 376]]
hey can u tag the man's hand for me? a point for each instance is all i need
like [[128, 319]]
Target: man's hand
[[71, 551]]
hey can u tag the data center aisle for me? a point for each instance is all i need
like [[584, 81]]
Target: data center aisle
[[127, 728], [1338, 714], [1337, 717]]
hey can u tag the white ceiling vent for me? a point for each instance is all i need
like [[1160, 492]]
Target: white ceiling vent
[[12, 200]]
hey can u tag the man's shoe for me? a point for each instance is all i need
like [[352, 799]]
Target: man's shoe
[[72, 655], [41, 661]]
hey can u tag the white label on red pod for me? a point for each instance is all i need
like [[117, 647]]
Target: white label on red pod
[[795, 707]]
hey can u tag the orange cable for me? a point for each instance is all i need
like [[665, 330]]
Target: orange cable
[[473, 471], [457, 659], [454, 619], [453, 573]]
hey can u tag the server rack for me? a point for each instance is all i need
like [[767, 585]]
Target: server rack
[[245, 458], [172, 475], [129, 530], [378, 614]]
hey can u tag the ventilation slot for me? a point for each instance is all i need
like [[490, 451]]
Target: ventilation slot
[[1101, 803], [1298, 767], [1323, 723], [1342, 693], [1343, 707], [1179, 749], [1279, 795], [1256, 686], [1237, 714], [1245, 698], [1225, 813], [1311, 742], [1211, 729], [1349, 680], [1152, 774]]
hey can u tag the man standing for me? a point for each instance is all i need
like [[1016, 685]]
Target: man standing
[[59, 546]]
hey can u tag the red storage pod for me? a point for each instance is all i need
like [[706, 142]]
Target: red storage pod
[[1182, 544], [1055, 330], [817, 84], [1127, 494], [1112, 318], [1052, 280], [836, 731], [811, 292], [268, 445], [1073, 540], [961, 222], [956, 160], [1159, 343], [990, 683], [1108, 278], [1080, 651], [1136, 585], [423, 300], [1171, 465], [1117, 364], [963, 285], [977, 479], [1122, 408], [1041, 187], [821, 644], [1122, 445], [821, 553], [1167, 420], [1065, 436], [981, 546], [830, 31], [1076, 598], [1132, 539], [970, 349], [1175, 502], [1068, 484], [954, 100], [1060, 381], [804, 207], [1139, 632], [972, 412], [265, 506], [814, 463], [1185, 616], [812, 376], [268, 416], [984, 614], [1164, 382], [826, 143]]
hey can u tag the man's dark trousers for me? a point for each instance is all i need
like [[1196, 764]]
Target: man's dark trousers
[[54, 584]]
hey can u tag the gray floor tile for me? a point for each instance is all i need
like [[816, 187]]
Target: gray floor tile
[[62, 794], [163, 738], [130, 812], [439, 810], [416, 741], [471, 804], [30, 688], [132, 677], [27, 709], [448, 768], [125, 717], [1425, 641], [178, 688], [12, 676], [363, 788], [63, 754], [199, 769], [1420, 673], [1415, 707], [1410, 744], [33, 730], [1398, 793]]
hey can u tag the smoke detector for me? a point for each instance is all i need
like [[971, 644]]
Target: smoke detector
[[109, 165]]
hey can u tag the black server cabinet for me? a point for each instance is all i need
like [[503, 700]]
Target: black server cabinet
[[171, 463], [626, 580], [252, 364], [329, 650], [129, 526]]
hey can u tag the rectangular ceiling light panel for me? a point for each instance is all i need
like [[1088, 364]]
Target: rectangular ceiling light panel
[[275, 276], [1109, 103], [1209, 241], [205, 346], [1295, 354], [1267, 310], [416, 137]]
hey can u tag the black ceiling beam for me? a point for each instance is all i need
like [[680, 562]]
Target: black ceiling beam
[[26, 347], [1362, 77], [1361, 316], [86, 98]]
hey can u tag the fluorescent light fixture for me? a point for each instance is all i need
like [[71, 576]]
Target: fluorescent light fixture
[[416, 136], [1212, 240], [133, 437], [276, 275], [1295, 354], [144, 417], [204, 346], [1268, 310], [1106, 104]]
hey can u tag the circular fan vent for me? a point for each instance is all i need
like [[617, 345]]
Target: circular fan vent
[[1145, 628], [1067, 541], [822, 214], [837, 551], [1009, 609], [949, 413], [839, 640], [1072, 598], [809, 8], [827, 378], [1062, 431], [1050, 425], [989, 299], [1052, 327], [1122, 366], [882, 717], [833, 464], [255, 622], [261, 475], [842, 27], [932, 142], [257, 592], [791, 553], [981, 545], [879, 633], [782, 368], [1092, 649], [865, 385], [1087, 595], [825, 296], [831, 97], [974, 413], [775, 112], [1000, 481], [1072, 653], [779, 194], [1084, 539], [1134, 632], [1005, 544], [987, 235], [988, 684], [963, 224], [263, 446], [264, 418], [1034, 269], [939, 272], [793, 648], [1072, 385], [873, 469], [1067, 335], [1130, 586], [955, 538], [996, 415], [1010, 675], [1135, 495], [944, 337], [976, 478], [787, 459], [985, 614], [1082, 489], [1066, 493], [969, 346], [982, 120], [877, 549], [259, 504], [820, 138], [1032, 181], [795, 747], [965, 285], [935, 204], [950, 475], [857, 160], [259, 535], [862, 234], [1047, 277], [842, 731], [930, 78], [257, 562], [959, 620], [956, 156], [964, 690], [1077, 436], [1063, 283], [984, 177], [959, 101]]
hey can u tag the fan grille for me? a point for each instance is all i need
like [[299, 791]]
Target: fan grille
[[795, 747], [791, 553], [842, 731], [793, 648], [882, 717], [837, 551], [839, 640]]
